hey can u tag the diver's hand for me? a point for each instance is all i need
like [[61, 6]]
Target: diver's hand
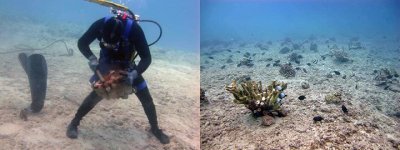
[[93, 62], [132, 75]]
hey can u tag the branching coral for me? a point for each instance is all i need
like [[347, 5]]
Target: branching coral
[[260, 101], [287, 71]]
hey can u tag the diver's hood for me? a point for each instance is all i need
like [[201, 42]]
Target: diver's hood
[[112, 30]]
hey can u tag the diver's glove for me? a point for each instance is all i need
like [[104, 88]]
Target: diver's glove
[[93, 62], [132, 75]]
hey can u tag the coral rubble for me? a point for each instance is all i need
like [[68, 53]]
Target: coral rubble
[[287, 71], [333, 98]]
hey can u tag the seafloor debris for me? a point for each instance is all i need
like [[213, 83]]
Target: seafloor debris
[[276, 63], [385, 74], [387, 78], [334, 98], [261, 102], [318, 118], [267, 120], [246, 61], [203, 98], [284, 50], [340, 55], [305, 85], [287, 71], [294, 57], [344, 109]]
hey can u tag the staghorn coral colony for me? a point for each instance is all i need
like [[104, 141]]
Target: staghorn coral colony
[[262, 102]]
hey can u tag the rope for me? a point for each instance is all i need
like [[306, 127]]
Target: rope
[[69, 50]]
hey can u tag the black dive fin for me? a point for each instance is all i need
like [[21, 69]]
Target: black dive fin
[[23, 59], [35, 67]]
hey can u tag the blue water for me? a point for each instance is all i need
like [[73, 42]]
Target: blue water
[[276, 19], [179, 19]]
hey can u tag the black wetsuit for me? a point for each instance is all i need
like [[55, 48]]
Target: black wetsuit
[[138, 42]]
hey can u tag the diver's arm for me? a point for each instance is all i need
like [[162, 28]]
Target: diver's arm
[[142, 48], [89, 36]]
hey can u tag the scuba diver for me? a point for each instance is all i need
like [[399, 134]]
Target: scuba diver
[[120, 38]]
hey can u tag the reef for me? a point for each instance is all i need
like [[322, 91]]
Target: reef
[[333, 98], [261, 102], [305, 85], [287, 71]]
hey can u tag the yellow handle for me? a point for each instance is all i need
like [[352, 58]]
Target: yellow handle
[[109, 4]]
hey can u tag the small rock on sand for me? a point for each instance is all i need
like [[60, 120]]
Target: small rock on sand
[[305, 85], [267, 120]]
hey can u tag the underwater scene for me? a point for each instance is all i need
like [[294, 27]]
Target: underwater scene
[[300, 74], [44, 76]]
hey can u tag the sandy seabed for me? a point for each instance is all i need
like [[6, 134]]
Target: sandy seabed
[[173, 80], [370, 123]]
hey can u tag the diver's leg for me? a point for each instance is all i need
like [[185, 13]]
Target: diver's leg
[[145, 98], [88, 104]]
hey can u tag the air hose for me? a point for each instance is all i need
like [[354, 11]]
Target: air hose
[[159, 27], [151, 21]]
